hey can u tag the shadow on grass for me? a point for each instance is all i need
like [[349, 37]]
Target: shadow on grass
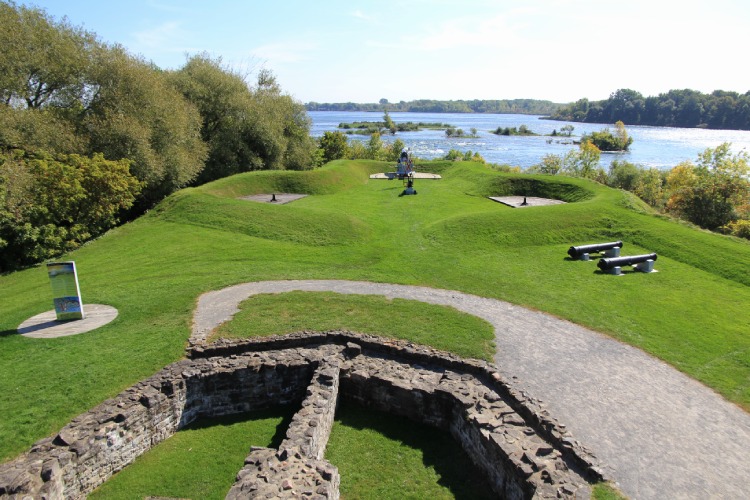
[[285, 412], [439, 450], [8, 333]]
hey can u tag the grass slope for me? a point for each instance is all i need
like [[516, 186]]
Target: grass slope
[[693, 313]]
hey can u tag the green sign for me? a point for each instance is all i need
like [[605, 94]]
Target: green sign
[[65, 291]]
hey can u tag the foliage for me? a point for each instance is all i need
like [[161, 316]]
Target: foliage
[[551, 164], [41, 61], [456, 155], [708, 194], [393, 152], [388, 122], [370, 127], [623, 175], [374, 149], [676, 108], [137, 114], [100, 99], [52, 205], [739, 228], [584, 162], [605, 140], [650, 187], [333, 145], [522, 130]]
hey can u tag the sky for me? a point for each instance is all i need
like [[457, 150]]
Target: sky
[[402, 50]]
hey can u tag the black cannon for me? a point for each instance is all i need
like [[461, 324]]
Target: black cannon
[[639, 262], [583, 250]]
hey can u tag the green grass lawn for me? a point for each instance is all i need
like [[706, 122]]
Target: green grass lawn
[[693, 313], [442, 327], [200, 461], [384, 456]]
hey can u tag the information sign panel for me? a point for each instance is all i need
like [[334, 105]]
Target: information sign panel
[[66, 293]]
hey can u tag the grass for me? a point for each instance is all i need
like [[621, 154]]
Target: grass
[[606, 491], [692, 314], [384, 456], [200, 461], [442, 327]]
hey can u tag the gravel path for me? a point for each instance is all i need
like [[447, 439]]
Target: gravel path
[[663, 434]]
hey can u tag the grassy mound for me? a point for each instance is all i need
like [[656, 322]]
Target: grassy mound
[[449, 236], [262, 220]]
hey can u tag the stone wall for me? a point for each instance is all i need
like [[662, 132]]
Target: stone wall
[[522, 450]]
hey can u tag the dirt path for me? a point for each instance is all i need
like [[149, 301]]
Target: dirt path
[[663, 434]]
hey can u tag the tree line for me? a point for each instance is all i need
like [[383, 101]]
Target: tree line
[[505, 106], [90, 134], [676, 108]]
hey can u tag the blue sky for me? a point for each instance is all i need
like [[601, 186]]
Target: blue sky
[[362, 51]]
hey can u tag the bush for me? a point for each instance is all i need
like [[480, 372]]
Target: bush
[[50, 205], [739, 228]]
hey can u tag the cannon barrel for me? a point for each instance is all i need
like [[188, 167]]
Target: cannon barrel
[[577, 251], [609, 263]]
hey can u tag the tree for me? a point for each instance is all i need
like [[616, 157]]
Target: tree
[[394, 151], [137, 114], [623, 175], [388, 121], [650, 187], [42, 61], [584, 162], [334, 145], [551, 164], [711, 193], [374, 147]]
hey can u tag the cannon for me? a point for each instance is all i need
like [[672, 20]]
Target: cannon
[[644, 263], [611, 249]]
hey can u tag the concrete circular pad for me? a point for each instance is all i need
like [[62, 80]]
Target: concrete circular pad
[[531, 201], [280, 198], [46, 326]]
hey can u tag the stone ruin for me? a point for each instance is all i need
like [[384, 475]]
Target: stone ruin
[[521, 449]]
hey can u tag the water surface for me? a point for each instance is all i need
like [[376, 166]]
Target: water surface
[[660, 147]]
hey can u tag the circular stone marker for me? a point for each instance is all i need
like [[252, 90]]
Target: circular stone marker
[[46, 326]]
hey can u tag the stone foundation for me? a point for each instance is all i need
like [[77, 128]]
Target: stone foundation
[[522, 450]]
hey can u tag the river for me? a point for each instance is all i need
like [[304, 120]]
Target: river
[[659, 147]]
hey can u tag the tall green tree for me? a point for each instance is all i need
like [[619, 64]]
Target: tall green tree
[[42, 61], [334, 145], [136, 113]]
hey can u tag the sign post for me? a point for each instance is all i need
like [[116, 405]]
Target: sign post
[[66, 293]]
